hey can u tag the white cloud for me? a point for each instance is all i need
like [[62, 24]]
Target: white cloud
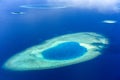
[[90, 4]]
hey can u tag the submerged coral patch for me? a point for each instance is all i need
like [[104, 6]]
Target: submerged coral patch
[[109, 21], [19, 13], [84, 46], [44, 6]]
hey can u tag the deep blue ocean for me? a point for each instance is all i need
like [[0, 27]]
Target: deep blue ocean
[[19, 31]]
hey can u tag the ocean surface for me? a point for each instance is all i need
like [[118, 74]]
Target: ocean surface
[[21, 28]]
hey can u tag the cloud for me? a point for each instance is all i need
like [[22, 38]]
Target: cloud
[[90, 4]]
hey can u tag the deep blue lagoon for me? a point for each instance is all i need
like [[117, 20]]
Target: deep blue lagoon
[[64, 51]]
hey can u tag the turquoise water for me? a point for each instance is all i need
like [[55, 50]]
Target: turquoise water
[[64, 51]]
